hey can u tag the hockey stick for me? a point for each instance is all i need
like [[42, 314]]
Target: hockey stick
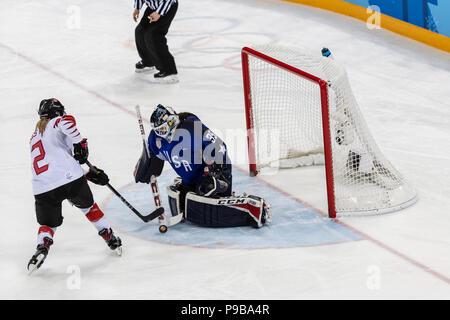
[[141, 128], [153, 181], [153, 215], [164, 221]]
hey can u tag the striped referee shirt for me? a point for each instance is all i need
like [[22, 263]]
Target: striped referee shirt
[[160, 6]]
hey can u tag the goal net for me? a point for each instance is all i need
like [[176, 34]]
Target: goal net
[[300, 111]]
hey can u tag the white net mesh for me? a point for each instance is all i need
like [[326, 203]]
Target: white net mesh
[[287, 119]]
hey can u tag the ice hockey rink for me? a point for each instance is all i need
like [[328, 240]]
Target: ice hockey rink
[[82, 52]]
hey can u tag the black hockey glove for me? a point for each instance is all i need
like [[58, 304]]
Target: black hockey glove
[[215, 170], [81, 151], [97, 176], [211, 186]]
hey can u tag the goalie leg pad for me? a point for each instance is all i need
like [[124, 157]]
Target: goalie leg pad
[[176, 211], [174, 200], [226, 211]]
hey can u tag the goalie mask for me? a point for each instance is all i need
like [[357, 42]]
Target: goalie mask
[[164, 121]]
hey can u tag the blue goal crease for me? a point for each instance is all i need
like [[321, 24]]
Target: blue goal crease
[[293, 225]]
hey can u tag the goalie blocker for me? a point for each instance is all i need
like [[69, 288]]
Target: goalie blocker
[[232, 211]]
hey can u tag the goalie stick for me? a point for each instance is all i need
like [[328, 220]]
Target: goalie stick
[[153, 215], [164, 221], [153, 181]]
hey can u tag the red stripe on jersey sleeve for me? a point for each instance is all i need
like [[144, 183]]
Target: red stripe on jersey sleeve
[[56, 122], [69, 118], [71, 123]]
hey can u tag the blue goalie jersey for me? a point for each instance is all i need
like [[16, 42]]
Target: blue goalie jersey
[[193, 147]]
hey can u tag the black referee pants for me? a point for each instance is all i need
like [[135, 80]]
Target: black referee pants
[[151, 42]]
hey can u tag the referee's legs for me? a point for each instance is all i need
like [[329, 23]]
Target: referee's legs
[[160, 42], [139, 36]]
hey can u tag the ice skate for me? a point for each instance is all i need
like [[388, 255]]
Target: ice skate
[[39, 257], [113, 242], [267, 214], [164, 77], [142, 68]]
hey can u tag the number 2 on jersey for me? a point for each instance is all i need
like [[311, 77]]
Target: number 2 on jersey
[[39, 157]]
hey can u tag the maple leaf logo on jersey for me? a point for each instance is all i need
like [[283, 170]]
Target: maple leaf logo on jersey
[[158, 143]]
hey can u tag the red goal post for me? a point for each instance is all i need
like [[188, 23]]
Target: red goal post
[[323, 85], [300, 111]]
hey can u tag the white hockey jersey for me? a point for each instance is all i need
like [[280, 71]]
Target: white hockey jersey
[[52, 163]]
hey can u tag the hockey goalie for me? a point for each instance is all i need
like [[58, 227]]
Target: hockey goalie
[[202, 192]]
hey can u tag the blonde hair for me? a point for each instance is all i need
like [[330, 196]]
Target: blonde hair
[[42, 124]]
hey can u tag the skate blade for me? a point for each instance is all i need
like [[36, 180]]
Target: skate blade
[[167, 80], [31, 269], [146, 70], [34, 267], [119, 251]]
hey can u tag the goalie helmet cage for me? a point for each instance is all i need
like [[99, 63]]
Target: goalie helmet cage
[[300, 111]]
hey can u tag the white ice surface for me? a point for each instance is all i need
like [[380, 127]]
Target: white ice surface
[[403, 90]]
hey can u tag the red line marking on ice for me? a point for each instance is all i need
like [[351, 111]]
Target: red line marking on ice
[[228, 63], [69, 80], [362, 234], [120, 107]]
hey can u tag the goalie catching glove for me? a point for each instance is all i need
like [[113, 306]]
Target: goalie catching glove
[[210, 186], [215, 181], [97, 176]]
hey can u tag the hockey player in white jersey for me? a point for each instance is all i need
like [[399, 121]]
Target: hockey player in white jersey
[[57, 175]]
